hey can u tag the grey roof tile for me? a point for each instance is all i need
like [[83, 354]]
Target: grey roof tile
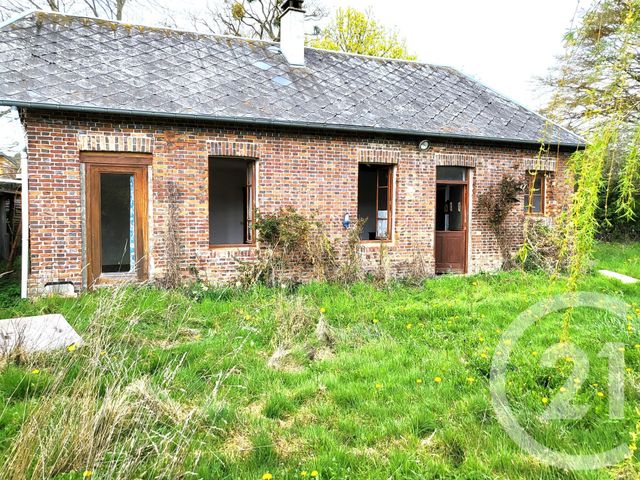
[[76, 62]]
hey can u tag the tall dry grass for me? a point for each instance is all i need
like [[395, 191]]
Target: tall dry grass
[[100, 417]]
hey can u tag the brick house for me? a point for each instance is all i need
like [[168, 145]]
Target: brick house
[[127, 124]]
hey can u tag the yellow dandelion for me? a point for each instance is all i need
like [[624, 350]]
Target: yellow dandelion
[[594, 385], [471, 379], [545, 400], [437, 379], [87, 474], [498, 330], [304, 473], [637, 347], [419, 381], [484, 355], [481, 339], [72, 347], [247, 317], [378, 386], [375, 320], [409, 326], [103, 353], [35, 371], [267, 476], [600, 394], [314, 474], [323, 310], [629, 370], [534, 354]]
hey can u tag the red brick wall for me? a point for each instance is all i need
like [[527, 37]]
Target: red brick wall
[[314, 171]]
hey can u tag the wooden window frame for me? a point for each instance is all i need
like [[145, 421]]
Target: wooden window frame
[[530, 192], [390, 169], [249, 213]]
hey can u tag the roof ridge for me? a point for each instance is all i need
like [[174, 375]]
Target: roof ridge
[[144, 26], [18, 16], [140, 26]]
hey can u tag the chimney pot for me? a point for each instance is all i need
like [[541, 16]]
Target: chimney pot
[[292, 31]]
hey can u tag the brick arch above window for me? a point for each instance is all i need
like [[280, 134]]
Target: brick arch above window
[[381, 155], [234, 149], [115, 143], [544, 164], [454, 160]]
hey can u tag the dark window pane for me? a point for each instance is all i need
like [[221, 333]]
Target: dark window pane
[[383, 198], [117, 226], [536, 206], [533, 195], [367, 183], [383, 177], [451, 173]]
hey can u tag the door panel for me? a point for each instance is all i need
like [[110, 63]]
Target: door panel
[[451, 228], [116, 223]]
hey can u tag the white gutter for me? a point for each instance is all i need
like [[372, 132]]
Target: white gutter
[[24, 197]]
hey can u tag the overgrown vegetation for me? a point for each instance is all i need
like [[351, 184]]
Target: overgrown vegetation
[[376, 383], [544, 248], [497, 204], [295, 247]]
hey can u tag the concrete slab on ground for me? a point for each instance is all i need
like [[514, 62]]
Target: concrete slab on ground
[[618, 276], [36, 334]]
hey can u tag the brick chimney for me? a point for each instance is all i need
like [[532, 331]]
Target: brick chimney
[[292, 31]]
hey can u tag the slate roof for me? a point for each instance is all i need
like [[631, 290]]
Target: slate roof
[[79, 63]]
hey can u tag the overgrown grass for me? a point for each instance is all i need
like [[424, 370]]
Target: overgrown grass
[[341, 380]]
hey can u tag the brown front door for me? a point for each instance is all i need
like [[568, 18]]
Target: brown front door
[[451, 226], [116, 199]]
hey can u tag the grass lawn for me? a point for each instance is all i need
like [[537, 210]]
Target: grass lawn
[[619, 257], [347, 382]]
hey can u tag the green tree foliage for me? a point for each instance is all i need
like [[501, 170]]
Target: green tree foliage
[[597, 91], [358, 32], [607, 171], [592, 68]]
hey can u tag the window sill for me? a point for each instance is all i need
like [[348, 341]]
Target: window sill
[[230, 246], [374, 243]]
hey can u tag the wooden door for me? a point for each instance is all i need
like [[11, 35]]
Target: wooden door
[[116, 219], [451, 227]]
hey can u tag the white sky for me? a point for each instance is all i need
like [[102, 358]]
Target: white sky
[[504, 44]]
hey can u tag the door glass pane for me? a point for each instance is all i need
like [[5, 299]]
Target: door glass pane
[[451, 173], [441, 213], [449, 208], [117, 222], [455, 207]]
